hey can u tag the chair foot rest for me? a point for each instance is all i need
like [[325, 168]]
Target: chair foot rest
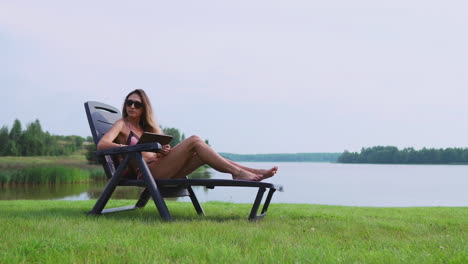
[[257, 217], [119, 209], [113, 210]]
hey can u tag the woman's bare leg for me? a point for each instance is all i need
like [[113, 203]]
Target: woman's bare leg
[[194, 163], [180, 155]]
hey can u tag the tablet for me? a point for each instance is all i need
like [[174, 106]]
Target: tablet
[[148, 137]]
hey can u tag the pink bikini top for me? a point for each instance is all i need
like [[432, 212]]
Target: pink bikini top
[[132, 139]]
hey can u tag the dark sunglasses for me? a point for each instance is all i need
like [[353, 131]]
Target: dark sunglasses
[[137, 104]]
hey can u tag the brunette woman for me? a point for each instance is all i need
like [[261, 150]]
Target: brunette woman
[[178, 162]]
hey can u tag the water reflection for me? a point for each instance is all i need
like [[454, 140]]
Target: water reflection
[[123, 192], [41, 191], [204, 174]]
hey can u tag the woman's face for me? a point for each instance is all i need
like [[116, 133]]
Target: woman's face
[[134, 106]]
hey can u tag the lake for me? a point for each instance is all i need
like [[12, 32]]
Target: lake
[[312, 183]]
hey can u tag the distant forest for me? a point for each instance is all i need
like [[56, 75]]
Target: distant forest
[[33, 141], [286, 157], [392, 155]]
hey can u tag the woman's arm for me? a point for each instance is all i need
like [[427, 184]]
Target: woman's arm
[[107, 141]]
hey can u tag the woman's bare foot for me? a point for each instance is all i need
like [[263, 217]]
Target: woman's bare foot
[[268, 173], [246, 175], [264, 173]]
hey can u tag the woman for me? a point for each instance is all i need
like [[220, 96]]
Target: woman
[[178, 162]]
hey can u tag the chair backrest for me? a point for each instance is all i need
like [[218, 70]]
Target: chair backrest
[[101, 117]]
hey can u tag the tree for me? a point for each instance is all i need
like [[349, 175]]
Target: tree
[[390, 154], [50, 144], [13, 146], [12, 149], [16, 131], [33, 140], [90, 153], [173, 132], [78, 141], [3, 140], [449, 155]]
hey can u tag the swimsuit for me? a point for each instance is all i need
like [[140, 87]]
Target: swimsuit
[[132, 172], [132, 139]]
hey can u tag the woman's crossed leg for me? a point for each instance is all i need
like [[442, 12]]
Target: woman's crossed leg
[[192, 153]]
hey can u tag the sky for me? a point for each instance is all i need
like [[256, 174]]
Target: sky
[[250, 76]]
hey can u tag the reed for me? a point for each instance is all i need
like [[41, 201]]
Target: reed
[[44, 175], [97, 173]]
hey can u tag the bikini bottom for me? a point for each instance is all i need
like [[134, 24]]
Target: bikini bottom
[[130, 173]]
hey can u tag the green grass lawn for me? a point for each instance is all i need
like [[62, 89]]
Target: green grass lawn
[[60, 232]]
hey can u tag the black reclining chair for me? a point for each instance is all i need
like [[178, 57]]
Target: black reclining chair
[[101, 117]]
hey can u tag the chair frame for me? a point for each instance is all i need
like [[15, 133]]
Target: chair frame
[[100, 118]]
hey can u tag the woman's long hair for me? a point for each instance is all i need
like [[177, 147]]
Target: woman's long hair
[[147, 120]]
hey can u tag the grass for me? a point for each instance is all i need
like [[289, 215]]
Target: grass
[[58, 231]]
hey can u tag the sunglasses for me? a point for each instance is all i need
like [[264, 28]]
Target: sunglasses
[[137, 104]]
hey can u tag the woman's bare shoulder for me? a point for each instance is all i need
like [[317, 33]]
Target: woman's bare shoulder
[[119, 125], [119, 122]]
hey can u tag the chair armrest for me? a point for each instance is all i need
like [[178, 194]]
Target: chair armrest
[[148, 147]]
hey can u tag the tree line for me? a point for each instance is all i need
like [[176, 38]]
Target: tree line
[[33, 141], [392, 155], [283, 157]]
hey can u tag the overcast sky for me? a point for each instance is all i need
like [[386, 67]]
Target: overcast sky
[[250, 76]]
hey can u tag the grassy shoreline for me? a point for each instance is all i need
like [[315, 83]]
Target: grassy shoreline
[[59, 231], [48, 170], [52, 169]]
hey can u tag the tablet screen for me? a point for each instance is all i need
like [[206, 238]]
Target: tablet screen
[[148, 137]]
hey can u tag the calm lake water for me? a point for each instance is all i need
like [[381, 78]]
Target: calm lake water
[[312, 183]]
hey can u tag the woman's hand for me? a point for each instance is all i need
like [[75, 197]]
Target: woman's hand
[[166, 149]]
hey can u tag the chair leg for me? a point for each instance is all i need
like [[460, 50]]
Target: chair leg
[[195, 202], [253, 214], [256, 205], [109, 189], [267, 201], [144, 198], [153, 188]]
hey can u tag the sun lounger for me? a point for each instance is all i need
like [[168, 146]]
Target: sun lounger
[[101, 117]]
